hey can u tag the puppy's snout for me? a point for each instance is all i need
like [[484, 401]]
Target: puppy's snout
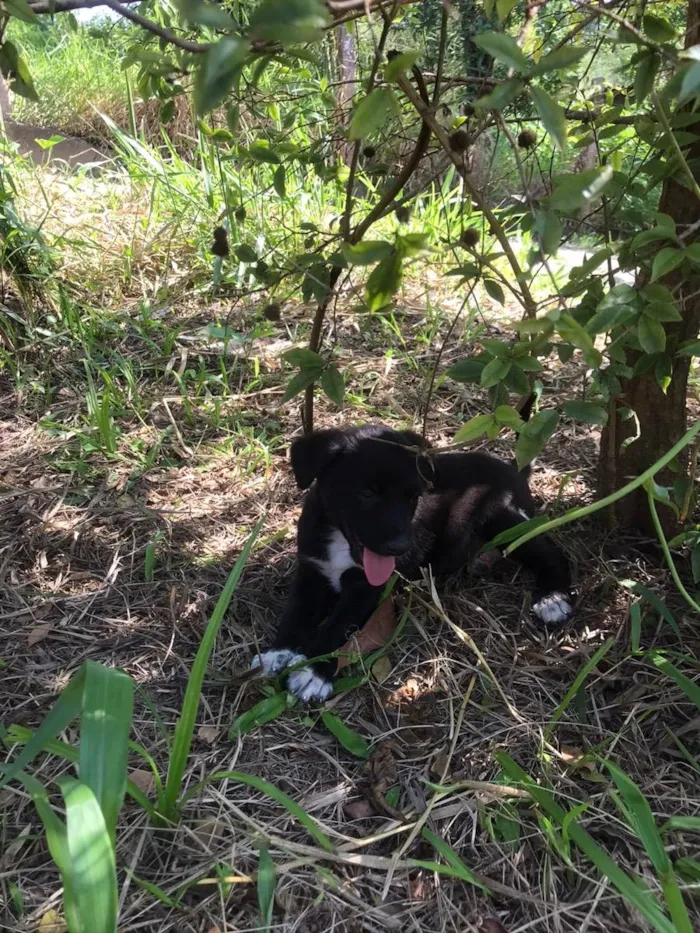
[[397, 545]]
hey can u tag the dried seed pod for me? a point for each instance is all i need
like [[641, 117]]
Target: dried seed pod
[[220, 245], [369, 152], [403, 214], [527, 139], [273, 311], [470, 237], [459, 141]]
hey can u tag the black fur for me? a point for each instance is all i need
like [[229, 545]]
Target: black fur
[[378, 489]]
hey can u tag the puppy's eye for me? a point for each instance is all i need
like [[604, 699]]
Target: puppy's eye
[[368, 494]]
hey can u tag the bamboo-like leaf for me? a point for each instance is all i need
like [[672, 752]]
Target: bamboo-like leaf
[[182, 740]]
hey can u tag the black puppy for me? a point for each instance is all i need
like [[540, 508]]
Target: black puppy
[[380, 503]]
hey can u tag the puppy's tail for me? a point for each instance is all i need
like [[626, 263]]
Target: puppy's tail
[[525, 410]]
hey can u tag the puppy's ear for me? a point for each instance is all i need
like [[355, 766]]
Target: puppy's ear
[[310, 454], [411, 439]]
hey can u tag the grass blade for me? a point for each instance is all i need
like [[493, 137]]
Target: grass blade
[[64, 711], [688, 686], [20, 735], [270, 791], [267, 882], [352, 741], [634, 890], [184, 730], [104, 738], [57, 841], [459, 869], [640, 817], [590, 665], [264, 711], [91, 856]]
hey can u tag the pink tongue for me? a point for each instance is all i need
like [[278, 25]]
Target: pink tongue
[[378, 569]]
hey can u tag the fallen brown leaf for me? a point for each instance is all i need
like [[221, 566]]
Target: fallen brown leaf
[[491, 925], [143, 779], [208, 734], [52, 922], [376, 633], [38, 634], [359, 810], [381, 669]]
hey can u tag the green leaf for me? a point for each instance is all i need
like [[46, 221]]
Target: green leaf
[[371, 113], [384, 281], [634, 890], [267, 883], [205, 14], [263, 712], [367, 252], [184, 730], [690, 348], [304, 358], [503, 9], [528, 364], [665, 261], [104, 738], [299, 382], [549, 230], [215, 77], [658, 29], [652, 335], [512, 534], [609, 317], [573, 191], [259, 152], [662, 311], [588, 412], [452, 859], [245, 253], [333, 384], [399, 64], [352, 741], [645, 75], [503, 48], [64, 711], [496, 348], [559, 60], [534, 435], [289, 21], [508, 416], [682, 823], [91, 854], [691, 81], [551, 114], [501, 96], [589, 665], [494, 290], [494, 372], [641, 819], [466, 371], [280, 181], [475, 427], [20, 9], [689, 687]]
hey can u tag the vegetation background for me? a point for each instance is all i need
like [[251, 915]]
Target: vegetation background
[[293, 214]]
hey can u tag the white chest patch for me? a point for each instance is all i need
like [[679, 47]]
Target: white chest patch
[[338, 559]]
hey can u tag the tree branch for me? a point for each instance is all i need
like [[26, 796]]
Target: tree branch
[[187, 44]]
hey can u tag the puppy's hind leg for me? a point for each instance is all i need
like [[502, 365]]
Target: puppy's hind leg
[[552, 593]]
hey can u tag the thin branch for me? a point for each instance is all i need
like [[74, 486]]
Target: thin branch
[[187, 44], [497, 230], [67, 6]]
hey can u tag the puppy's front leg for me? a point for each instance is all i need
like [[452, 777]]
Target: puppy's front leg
[[308, 603], [355, 604]]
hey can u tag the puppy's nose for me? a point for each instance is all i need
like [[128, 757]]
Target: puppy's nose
[[398, 545]]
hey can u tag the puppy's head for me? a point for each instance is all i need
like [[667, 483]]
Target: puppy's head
[[369, 482]]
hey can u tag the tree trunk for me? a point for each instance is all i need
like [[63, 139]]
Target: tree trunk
[[661, 417]]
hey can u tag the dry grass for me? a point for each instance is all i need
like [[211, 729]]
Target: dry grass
[[75, 527]]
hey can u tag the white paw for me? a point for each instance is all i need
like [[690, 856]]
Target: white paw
[[553, 609], [309, 686], [275, 660]]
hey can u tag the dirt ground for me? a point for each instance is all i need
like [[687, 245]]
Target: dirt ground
[[75, 531]]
